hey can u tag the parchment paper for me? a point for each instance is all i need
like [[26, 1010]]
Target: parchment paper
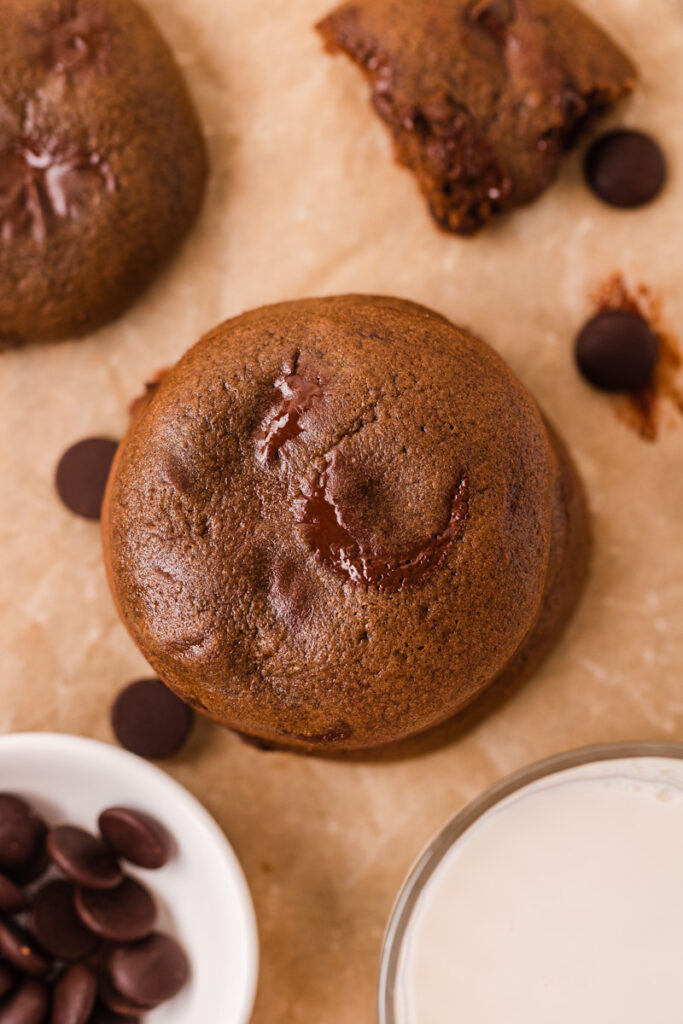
[[304, 200]]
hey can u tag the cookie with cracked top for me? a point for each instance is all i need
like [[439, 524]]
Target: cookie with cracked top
[[336, 521], [482, 97], [102, 164]]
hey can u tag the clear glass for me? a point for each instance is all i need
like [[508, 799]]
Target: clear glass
[[444, 841]]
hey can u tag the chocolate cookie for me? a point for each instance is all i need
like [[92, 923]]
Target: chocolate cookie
[[102, 163], [336, 521], [483, 97]]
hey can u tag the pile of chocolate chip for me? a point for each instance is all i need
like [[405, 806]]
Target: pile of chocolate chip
[[79, 946]]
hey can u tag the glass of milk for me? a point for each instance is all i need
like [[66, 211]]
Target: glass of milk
[[556, 898]]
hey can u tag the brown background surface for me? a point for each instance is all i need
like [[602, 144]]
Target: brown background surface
[[305, 200]]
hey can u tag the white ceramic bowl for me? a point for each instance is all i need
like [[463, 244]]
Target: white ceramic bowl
[[202, 893]]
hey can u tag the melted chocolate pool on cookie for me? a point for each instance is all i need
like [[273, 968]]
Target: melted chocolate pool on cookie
[[322, 518], [43, 180], [334, 543], [283, 423]]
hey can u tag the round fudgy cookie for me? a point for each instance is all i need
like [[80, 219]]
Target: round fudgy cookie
[[102, 163], [335, 522]]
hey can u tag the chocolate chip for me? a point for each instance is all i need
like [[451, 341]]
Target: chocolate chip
[[82, 475], [626, 168], [19, 949], [117, 1003], [7, 980], [83, 858], [12, 899], [74, 996], [124, 914], [104, 926], [28, 1005], [617, 351], [151, 721], [22, 833], [33, 869], [57, 926], [151, 971], [136, 837], [98, 960]]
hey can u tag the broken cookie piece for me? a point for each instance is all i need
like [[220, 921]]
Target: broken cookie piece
[[483, 97]]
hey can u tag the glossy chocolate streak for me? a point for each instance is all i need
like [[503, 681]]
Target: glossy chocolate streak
[[41, 182], [336, 546], [283, 422]]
